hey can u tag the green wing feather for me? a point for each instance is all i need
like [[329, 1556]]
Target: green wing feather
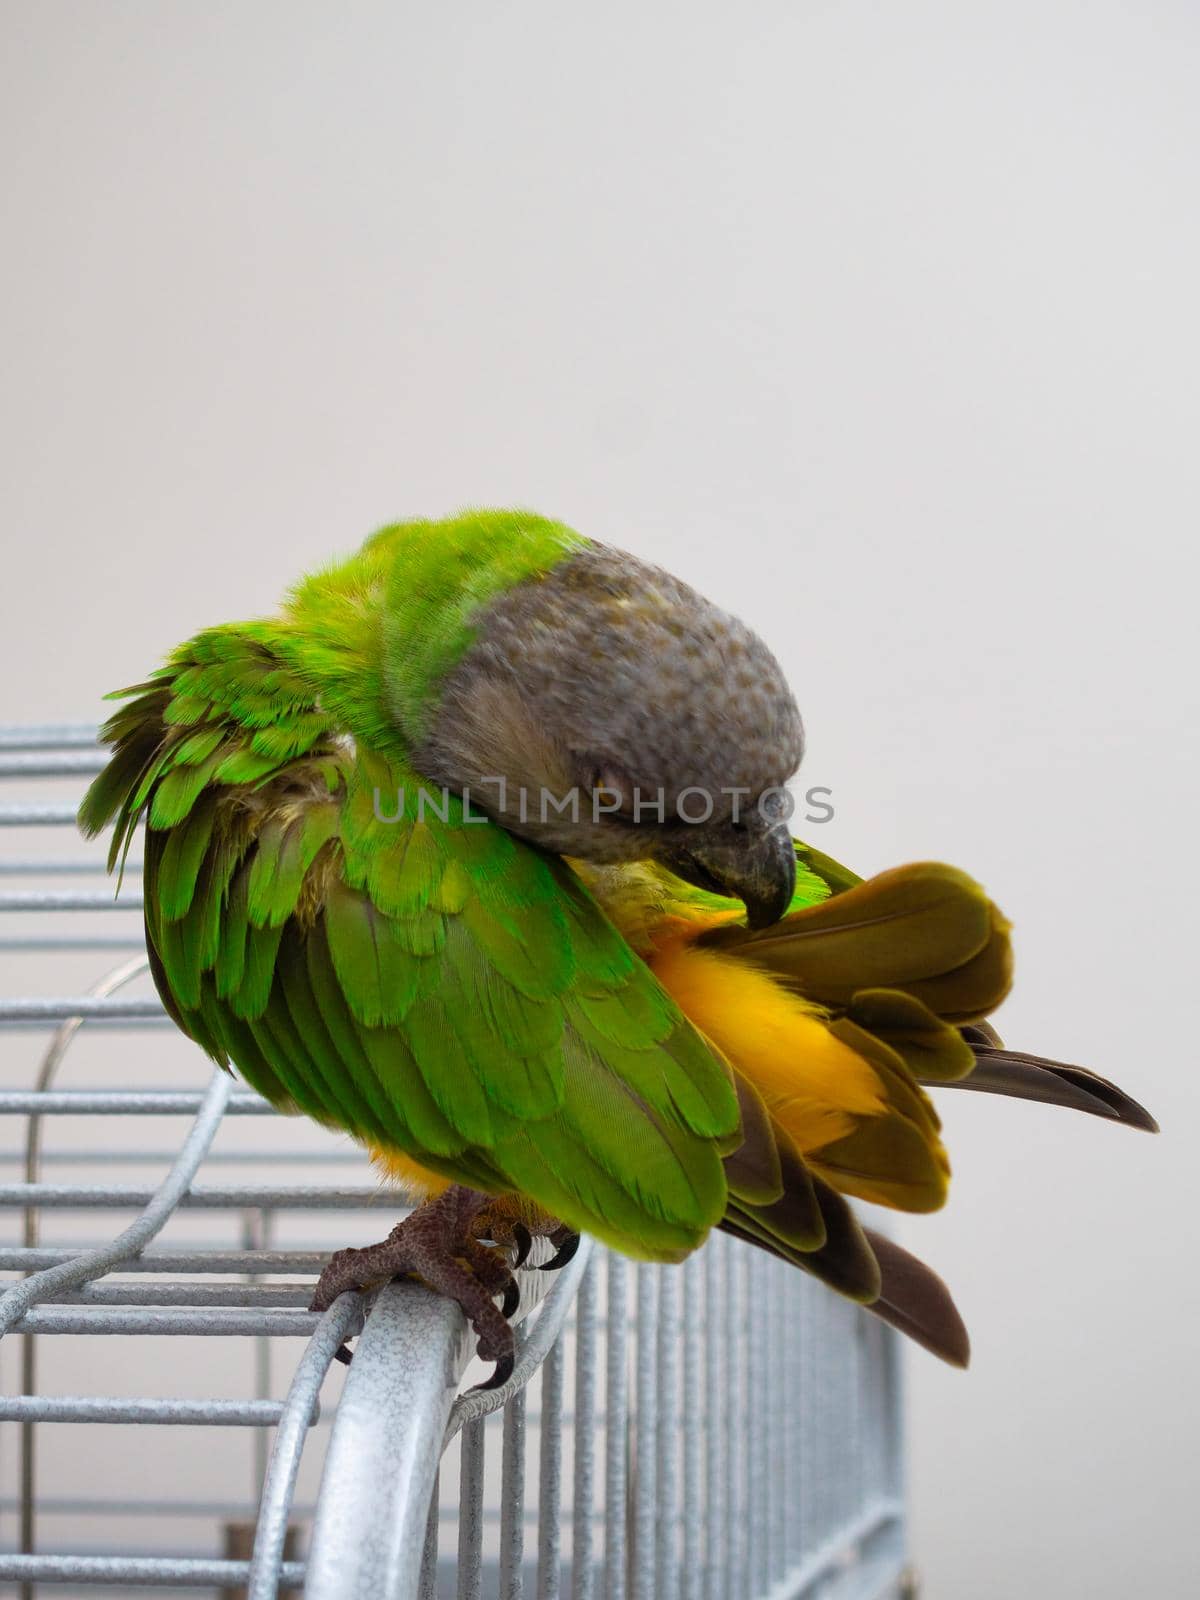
[[430, 984]]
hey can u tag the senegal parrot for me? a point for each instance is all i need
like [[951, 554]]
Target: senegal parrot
[[479, 851]]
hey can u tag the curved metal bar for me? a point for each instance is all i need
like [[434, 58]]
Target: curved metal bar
[[397, 1413], [299, 1408], [384, 1448], [91, 1263]]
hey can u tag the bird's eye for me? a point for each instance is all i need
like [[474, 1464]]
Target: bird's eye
[[772, 804], [611, 788]]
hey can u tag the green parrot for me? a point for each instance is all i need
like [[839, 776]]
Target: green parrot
[[479, 851]]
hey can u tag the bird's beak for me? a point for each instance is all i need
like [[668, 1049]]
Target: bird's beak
[[761, 872]]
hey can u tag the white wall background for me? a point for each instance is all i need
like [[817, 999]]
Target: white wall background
[[876, 322]]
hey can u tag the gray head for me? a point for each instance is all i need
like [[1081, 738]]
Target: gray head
[[608, 711]]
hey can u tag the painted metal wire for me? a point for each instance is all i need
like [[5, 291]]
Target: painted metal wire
[[721, 1431]]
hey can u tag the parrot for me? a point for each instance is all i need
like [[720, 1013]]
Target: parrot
[[479, 851]]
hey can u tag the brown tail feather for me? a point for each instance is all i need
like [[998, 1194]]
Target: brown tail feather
[[910, 1297], [914, 1300], [1056, 1083]]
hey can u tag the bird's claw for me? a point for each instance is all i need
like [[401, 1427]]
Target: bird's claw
[[523, 1240], [502, 1372], [565, 1252]]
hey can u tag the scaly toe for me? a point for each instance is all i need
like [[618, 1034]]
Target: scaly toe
[[488, 1266], [355, 1269], [341, 1273]]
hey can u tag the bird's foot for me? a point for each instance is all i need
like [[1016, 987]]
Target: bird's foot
[[439, 1243]]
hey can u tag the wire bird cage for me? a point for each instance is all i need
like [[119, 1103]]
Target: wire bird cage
[[725, 1429]]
